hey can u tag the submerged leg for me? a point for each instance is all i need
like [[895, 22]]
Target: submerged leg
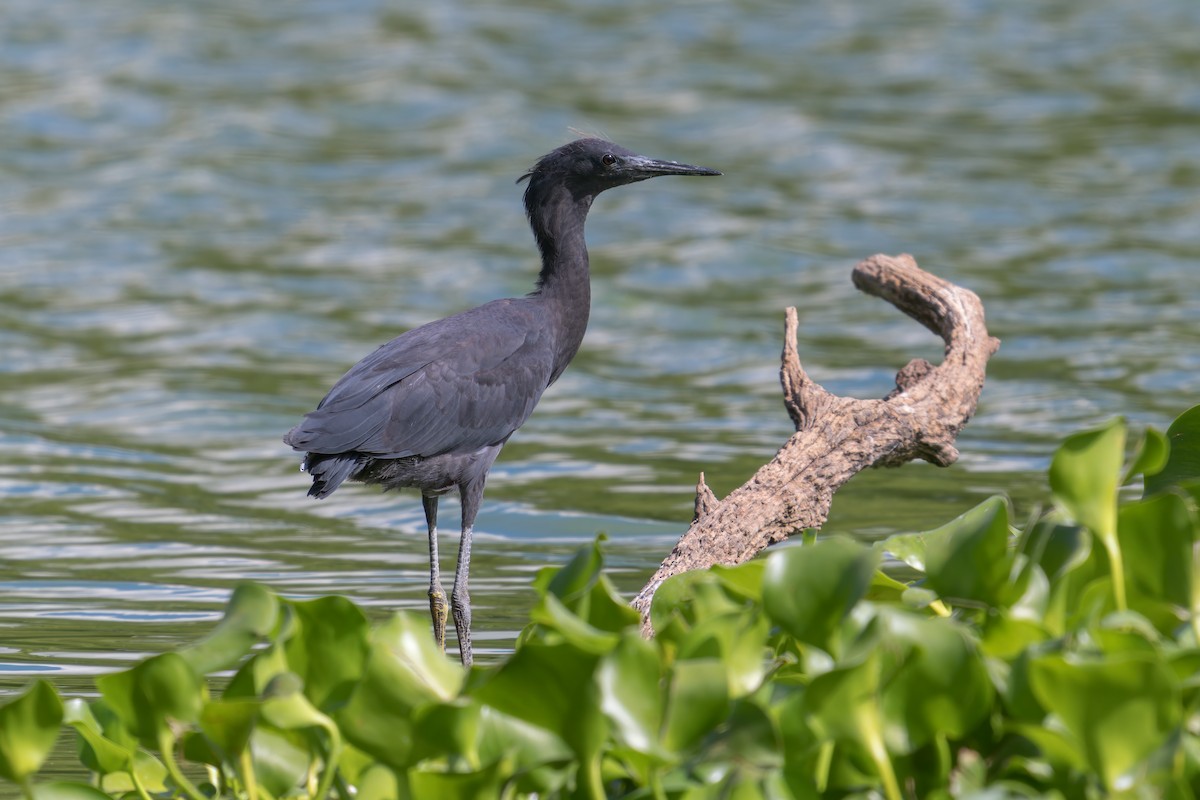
[[460, 597], [437, 597]]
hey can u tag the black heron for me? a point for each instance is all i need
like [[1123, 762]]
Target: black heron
[[431, 409]]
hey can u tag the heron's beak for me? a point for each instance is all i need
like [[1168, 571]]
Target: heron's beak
[[651, 167]]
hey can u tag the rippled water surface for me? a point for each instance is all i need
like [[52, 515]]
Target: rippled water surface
[[208, 211]]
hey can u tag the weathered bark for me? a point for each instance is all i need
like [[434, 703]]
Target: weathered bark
[[837, 437]]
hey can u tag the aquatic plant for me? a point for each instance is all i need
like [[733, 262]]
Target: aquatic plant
[[990, 658]]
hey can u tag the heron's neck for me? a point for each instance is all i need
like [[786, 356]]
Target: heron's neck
[[564, 283]]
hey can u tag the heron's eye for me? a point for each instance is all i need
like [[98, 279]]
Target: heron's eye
[[608, 159]]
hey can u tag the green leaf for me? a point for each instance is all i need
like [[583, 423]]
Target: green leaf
[[1156, 536], [447, 730], [940, 688], [1084, 474], [1119, 709], [328, 649], [228, 724], [29, 727], [251, 614], [551, 686], [745, 579], [697, 701], [484, 784], [404, 671], [97, 752], [252, 679], [843, 704], [153, 695], [286, 707], [738, 640], [809, 590], [280, 761], [1150, 457], [1084, 478], [968, 558], [1183, 461], [577, 576], [526, 746], [750, 738], [685, 598], [552, 613], [377, 783], [67, 790], [630, 695], [907, 547]]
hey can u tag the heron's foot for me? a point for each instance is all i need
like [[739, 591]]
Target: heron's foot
[[461, 604], [439, 610]]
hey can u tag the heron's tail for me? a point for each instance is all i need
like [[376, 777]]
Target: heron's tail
[[328, 471]]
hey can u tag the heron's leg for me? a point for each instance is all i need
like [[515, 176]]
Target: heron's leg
[[460, 597], [437, 598]]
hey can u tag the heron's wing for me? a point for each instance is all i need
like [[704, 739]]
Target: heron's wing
[[454, 385]]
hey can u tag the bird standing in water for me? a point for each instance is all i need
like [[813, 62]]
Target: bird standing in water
[[431, 409]]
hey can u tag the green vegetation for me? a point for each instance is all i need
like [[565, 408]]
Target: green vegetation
[[1059, 657]]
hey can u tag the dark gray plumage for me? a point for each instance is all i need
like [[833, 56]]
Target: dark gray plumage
[[432, 408]]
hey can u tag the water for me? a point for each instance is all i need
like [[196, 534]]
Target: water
[[209, 210]]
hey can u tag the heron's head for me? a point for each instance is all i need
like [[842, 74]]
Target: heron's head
[[587, 167]]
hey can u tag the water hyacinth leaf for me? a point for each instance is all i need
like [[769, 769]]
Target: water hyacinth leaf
[[551, 686], [1005, 636], [250, 614], [97, 752], [285, 707], [697, 701], [738, 640], [29, 727], [750, 738], [745, 579], [403, 651], [906, 547], [153, 695], [484, 784], [227, 724], [607, 609], [808, 590], [688, 597], [1119, 709], [1056, 746], [843, 704], [1150, 457], [526, 746], [328, 649], [552, 613], [1183, 460], [1056, 546], [885, 588], [576, 576], [1156, 537], [404, 671], [1084, 475], [940, 688], [968, 558], [1084, 478], [377, 783], [279, 758], [67, 790], [447, 730], [630, 695]]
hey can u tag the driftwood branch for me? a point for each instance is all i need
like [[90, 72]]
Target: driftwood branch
[[837, 437]]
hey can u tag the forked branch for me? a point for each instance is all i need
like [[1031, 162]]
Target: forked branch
[[837, 437]]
